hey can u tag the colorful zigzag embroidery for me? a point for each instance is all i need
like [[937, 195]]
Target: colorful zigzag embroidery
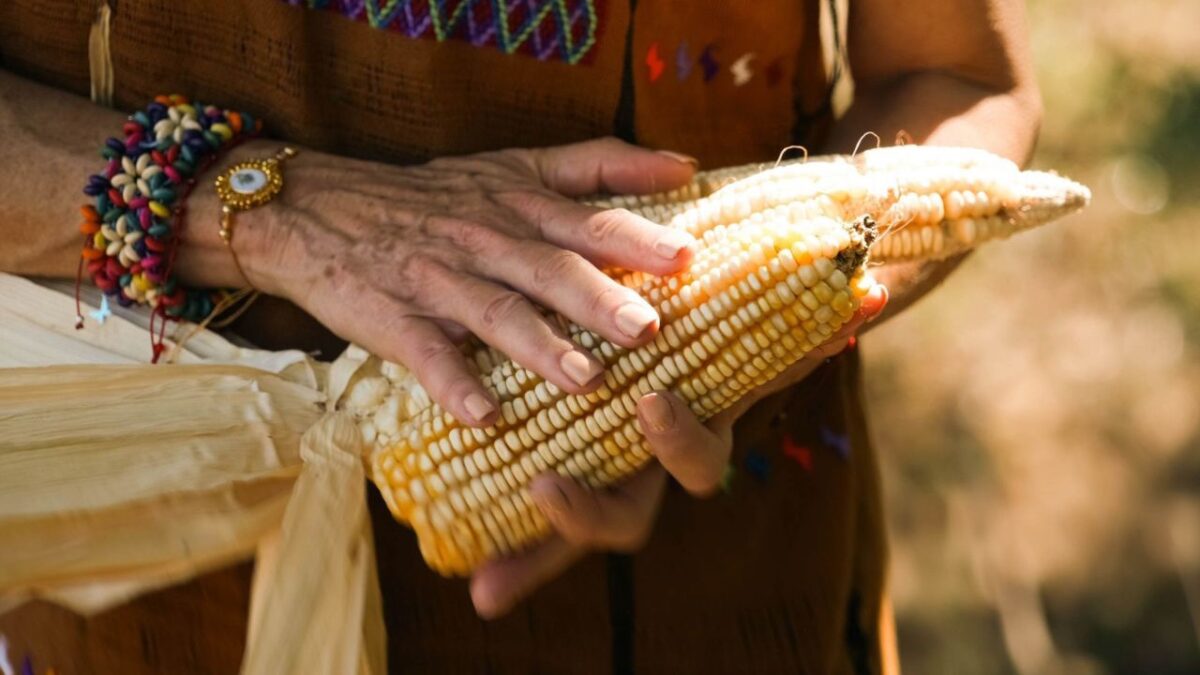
[[561, 30]]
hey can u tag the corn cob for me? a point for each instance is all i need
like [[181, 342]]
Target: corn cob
[[780, 268], [949, 199]]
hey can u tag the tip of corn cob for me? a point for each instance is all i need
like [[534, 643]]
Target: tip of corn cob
[[942, 211]]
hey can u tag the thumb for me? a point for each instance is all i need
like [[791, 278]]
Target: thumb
[[611, 165]]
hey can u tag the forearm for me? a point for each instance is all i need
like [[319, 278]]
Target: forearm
[[51, 144], [937, 108]]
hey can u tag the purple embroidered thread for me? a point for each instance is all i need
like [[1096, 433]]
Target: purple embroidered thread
[[564, 30], [709, 64], [838, 442], [683, 61]]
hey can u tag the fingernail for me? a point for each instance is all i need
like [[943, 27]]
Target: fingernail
[[680, 157], [478, 405], [634, 319], [672, 243], [550, 499], [488, 603], [579, 368], [882, 305], [659, 413]]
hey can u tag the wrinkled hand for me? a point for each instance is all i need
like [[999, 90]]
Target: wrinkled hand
[[406, 260], [622, 517]]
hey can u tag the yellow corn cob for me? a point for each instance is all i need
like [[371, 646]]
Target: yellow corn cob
[[759, 297], [779, 269]]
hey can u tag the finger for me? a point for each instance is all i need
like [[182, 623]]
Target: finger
[[874, 302], [564, 281], [612, 237], [619, 518], [555, 276], [506, 320], [441, 369], [691, 452], [612, 166], [500, 584], [456, 332], [385, 327]]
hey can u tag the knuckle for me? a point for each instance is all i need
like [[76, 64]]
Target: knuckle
[[606, 299], [676, 460], [526, 200], [415, 278], [610, 143], [554, 267], [580, 533], [502, 308], [434, 380], [467, 235], [429, 351], [420, 268], [601, 227]]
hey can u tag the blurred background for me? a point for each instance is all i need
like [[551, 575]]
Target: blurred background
[[1038, 418]]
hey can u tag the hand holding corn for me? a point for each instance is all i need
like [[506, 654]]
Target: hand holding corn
[[406, 260], [620, 518], [780, 269]]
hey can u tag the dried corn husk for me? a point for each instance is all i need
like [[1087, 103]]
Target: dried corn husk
[[117, 478], [292, 629]]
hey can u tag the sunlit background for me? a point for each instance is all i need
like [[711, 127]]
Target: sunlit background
[[1038, 418]]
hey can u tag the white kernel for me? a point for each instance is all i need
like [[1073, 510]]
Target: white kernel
[[808, 276]]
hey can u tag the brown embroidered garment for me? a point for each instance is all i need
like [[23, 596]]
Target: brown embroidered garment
[[784, 573]]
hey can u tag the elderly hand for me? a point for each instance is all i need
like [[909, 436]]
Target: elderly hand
[[406, 260], [622, 517]]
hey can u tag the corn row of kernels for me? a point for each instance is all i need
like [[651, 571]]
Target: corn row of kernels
[[788, 334], [773, 188], [791, 238]]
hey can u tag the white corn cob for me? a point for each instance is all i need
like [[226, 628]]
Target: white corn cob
[[948, 199]]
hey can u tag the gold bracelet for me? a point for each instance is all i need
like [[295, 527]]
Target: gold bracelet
[[247, 185]]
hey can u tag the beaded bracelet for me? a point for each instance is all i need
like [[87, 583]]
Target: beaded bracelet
[[133, 225]]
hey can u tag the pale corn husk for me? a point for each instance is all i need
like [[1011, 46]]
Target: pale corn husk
[[117, 478], [36, 329], [291, 627], [115, 472]]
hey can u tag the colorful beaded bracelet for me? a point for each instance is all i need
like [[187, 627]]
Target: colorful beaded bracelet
[[132, 227]]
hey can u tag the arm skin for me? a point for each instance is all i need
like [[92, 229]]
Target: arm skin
[[51, 145], [45, 160]]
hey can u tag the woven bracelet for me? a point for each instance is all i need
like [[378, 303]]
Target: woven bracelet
[[133, 224]]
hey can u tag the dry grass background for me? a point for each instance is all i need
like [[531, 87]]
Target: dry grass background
[[1039, 417]]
